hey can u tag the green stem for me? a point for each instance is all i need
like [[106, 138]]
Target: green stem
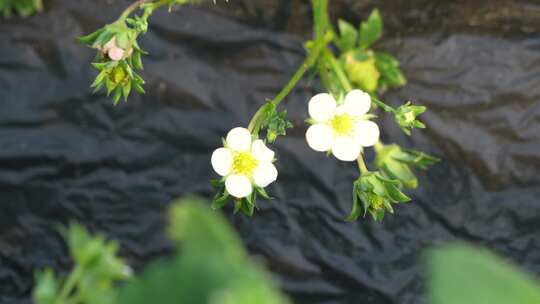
[[320, 17], [137, 4], [70, 283], [256, 121], [383, 105], [343, 80], [362, 164], [131, 8]]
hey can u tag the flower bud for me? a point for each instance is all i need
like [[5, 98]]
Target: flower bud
[[362, 73], [115, 52]]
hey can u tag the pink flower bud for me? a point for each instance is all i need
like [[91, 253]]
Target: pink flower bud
[[115, 53]]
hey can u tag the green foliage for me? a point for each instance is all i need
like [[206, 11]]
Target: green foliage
[[460, 274], [211, 267], [374, 193], [118, 76], [247, 205], [275, 122], [395, 163], [371, 29], [405, 117], [348, 36], [23, 8], [366, 69], [388, 67], [96, 269]]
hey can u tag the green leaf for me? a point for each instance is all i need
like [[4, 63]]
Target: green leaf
[[46, 287], [211, 267], [461, 274], [388, 67], [91, 38], [221, 199], [415, 158], [348, 36], [371, 30]]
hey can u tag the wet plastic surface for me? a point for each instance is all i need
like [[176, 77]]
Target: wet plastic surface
[[67, 154]]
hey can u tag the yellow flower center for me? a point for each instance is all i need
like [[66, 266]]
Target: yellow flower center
[[342, 124], [118, 75], [409, 116], [376, 203], [244, 163]]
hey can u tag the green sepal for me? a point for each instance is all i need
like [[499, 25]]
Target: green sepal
[[405, 117], [373, 193]]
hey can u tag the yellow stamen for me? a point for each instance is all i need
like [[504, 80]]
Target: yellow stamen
[[342, 124], [244, 163]]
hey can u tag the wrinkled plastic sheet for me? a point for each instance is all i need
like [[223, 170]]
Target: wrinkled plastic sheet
[[66, 154]]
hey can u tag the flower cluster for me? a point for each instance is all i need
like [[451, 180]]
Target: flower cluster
[[341, 120], [119, 55]]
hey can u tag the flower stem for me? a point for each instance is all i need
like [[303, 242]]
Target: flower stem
[[383, 105], [132, 7], [362, 164], [70, 283], [256, 121], [343, 80]]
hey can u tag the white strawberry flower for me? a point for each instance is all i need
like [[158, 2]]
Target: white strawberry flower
[[244, 163], [341, 129]]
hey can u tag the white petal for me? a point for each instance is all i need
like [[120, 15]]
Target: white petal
[[238, 186], [357, 103], [346, 148], [320, 137], [261, 152], [222, 160], [321, 107], [264, 174], [367, 133], [239, 139]]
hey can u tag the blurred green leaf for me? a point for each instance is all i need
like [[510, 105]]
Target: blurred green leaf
[[211, 266], [46, 287], [348, 36], [388, 67], [461, 274], [23, 8], [371, 29]]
